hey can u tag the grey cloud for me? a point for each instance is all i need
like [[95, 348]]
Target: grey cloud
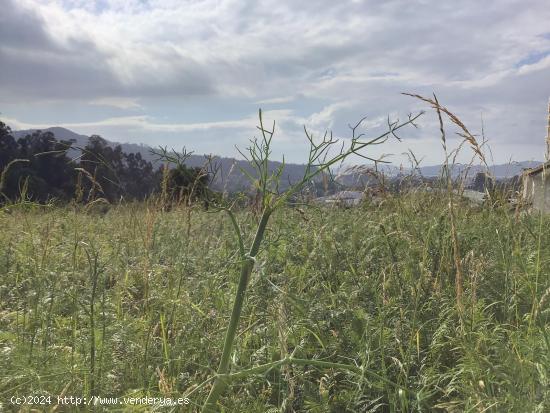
[[19, 28], [366, 53], [35, 66]]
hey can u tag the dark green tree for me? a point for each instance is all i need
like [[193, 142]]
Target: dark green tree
[[8, 146], [118, 175], [103, 165], [50, 172], [47, 172], [138, 178], [188, 183]]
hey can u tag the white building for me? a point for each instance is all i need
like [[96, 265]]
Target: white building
[[343, 198]]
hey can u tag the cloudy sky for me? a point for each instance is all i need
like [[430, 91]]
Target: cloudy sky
[[194, 73]]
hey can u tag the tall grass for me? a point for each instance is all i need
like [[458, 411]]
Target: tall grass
[[371, 287]]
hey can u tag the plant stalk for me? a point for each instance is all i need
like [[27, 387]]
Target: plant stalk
[[220, 383]]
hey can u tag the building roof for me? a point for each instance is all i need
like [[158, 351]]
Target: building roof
[[342, 196], [348, 195], [538, 169]]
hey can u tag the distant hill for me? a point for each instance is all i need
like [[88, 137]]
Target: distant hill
[[82, 140], [231, 178], [358, 177], [498, 171]]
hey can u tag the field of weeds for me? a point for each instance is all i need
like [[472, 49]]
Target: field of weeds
[[396, 307]]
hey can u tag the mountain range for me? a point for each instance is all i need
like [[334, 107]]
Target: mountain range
[[231, 177]]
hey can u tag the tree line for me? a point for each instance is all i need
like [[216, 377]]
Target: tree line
[[41, 168]]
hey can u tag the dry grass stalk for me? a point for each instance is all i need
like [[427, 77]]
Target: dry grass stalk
[[476, 147], [454, 235], [93, 180], [5, 171], [466, 134]]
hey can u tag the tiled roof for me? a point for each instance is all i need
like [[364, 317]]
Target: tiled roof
[[534, 171]]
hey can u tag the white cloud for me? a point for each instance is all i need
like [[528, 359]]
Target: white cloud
[[117, 102], [146, 123], [272, 101]]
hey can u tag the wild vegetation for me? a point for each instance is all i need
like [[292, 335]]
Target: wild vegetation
[[420, 302], [372, 287]]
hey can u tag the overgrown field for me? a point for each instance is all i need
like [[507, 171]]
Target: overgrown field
[[136, 302]]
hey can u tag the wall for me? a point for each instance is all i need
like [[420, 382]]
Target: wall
[[536, 191]]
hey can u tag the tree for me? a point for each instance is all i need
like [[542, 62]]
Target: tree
[[49, 172], [116, 175], [138, 178], [8, 146], [188, 183], [103, 165], [39, 162]]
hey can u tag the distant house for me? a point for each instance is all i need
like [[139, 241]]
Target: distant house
[[536, 182], [536, 187], [475, 197], [342, 198]]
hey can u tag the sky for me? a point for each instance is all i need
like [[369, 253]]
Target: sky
[[194, 74]]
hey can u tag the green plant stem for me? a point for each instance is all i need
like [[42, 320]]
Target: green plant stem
[[237, 232], [94, 276], [263, 368], [220, 382], [291, 360]]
